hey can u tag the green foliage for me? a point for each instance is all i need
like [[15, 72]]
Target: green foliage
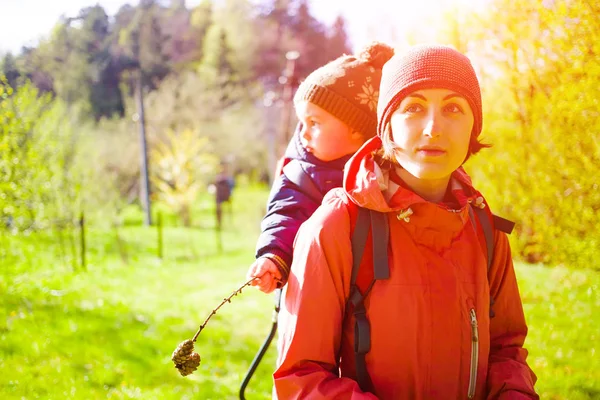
[[537, 61], [143, 41], [201, 18], [188, 102], [89, 59], [182, 167], [217, 67], [239, 33], [110, 154], [10, 70], [39, 179]]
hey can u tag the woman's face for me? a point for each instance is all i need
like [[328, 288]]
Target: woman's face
[[432, 129]]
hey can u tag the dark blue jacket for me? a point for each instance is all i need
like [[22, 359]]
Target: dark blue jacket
[[290, 205]]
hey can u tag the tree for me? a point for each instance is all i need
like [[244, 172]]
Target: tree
[[8, 68], [338, 42], [106, 98], [201, 19], [236, 19], [182, 163], [275, 39], [217, 65], [310, 40], [538, 60], [143, 42], [40, 180]]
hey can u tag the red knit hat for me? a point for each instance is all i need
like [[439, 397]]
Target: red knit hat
[[347, 87], [427, 67]]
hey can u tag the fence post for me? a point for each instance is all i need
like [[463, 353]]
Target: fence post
[[82, 238], [159, 229], [219, 225]]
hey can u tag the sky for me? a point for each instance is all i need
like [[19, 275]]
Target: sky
[[23, 22]]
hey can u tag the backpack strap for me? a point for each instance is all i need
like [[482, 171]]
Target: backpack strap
[[298, 176], [366, 219], [501, 224], [488, 233]]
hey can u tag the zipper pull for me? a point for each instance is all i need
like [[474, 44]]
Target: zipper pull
[[474, 354], [474, 325]]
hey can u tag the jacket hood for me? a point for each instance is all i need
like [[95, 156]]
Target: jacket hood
[[366, 181]]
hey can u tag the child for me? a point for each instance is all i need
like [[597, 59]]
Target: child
[[422, 328], [337, 111]]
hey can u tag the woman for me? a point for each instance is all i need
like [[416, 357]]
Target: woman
[[431, 331]]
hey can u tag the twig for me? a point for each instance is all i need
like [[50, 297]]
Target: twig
[[226, 300]]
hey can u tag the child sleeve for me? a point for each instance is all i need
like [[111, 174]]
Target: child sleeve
[[287, 208]]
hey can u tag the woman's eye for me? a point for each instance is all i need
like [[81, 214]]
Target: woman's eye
[[453, 108], [413, 108]]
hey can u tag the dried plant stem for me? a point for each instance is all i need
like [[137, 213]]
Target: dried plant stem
[[226, 300]]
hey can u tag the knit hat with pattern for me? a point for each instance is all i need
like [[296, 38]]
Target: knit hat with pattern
[[348, 87], [428, 67]]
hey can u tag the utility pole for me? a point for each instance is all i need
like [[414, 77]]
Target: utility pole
[[145, 181]]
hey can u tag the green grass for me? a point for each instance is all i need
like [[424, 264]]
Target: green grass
[[108, 331], [562, 308]]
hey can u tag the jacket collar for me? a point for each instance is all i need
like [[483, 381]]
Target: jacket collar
[[367, 182]]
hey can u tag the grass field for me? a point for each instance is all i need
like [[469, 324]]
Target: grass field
[[108, 331]]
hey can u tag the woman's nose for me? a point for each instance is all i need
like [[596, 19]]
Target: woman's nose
[[433, 124]]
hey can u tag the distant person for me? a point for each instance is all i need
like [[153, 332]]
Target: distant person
[[420, 308], [336, 107], [223, 187]]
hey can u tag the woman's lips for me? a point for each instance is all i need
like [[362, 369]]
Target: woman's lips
[[431, 151]]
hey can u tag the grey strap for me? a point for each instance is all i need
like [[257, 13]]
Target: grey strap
[[359, 239], [378, 222], [488, 234]]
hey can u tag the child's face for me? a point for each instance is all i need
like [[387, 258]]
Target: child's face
[[431, 129], [325, 136]]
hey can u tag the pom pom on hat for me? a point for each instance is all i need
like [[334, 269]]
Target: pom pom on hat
[[376, 54]]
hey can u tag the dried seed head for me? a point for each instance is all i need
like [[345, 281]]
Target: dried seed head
[[190, 365], [185, 360], [183, 352]]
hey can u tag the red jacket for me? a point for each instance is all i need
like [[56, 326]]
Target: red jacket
[[425, 343]]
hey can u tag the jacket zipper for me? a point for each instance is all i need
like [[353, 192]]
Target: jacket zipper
[[474, 354]]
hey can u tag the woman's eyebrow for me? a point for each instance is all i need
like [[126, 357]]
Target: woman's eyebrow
[[447, 97], [451, 95], [418, 96]]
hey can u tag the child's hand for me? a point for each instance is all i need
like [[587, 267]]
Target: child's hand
[[267, 275]]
